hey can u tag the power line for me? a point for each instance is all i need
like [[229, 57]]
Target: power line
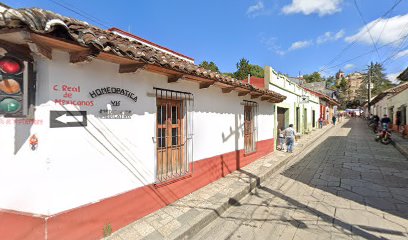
[[81, 13], [355, 40], [363, 54], [368, 31], [400, 46], [385, 24]]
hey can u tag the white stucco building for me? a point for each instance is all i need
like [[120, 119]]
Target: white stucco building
[[300, 108], [112, 130]]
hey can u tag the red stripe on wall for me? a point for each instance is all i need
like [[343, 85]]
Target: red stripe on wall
[[87, 222], [19, 226]]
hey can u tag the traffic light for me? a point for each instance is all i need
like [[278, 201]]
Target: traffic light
[[13, 83]]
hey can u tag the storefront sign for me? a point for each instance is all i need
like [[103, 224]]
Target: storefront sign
[[113, 90], [68, 93], [115, 114], [60, 119], [304, 99]]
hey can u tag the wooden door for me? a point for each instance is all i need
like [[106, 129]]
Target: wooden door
[[313, 119], [170, 141], [297, 119], [248, 129], [281, 118]]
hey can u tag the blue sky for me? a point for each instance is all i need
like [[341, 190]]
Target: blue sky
[[292, 36]]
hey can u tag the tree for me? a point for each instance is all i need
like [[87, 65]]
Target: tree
[[342, 90], [256, 71], [330, 82], [244, 68], [378, 80], [209, 66], [362, 93], [314, 77], [229, 74]]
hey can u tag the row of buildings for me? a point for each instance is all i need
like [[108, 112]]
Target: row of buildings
[[393, 102], [101, 127]]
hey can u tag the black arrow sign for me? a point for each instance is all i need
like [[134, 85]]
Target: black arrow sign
[[59, 119]]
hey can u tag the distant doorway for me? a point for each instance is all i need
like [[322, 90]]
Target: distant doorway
[[304, 119], [281, 118], [297, 119], [313, 118]]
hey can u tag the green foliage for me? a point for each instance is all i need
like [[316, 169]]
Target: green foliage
[[107, 230], [330, 82], [314, 77], [362, 93], [378, 79], [209, 66], [244, 68], [229, 74], [256, 71]]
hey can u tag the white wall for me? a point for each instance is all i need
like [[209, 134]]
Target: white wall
[[293, 92], [81, 165]]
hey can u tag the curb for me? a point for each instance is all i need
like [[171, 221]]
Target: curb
[[254, 182], [400, 148]]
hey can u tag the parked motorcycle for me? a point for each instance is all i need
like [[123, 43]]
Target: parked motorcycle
[[384, 136], [374, 126]]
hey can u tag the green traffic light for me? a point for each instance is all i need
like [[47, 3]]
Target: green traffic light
[[9, 105]]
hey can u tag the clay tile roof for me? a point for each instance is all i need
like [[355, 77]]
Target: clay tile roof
[[57, 26], [323, 96], [391, 91], [404, 75]]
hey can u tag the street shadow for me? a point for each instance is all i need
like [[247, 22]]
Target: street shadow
[[357, 168], [350, 166]]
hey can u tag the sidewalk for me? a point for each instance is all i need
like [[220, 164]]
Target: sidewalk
[[400, 143], [185, 217]]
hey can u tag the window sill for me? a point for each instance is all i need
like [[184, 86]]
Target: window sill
[[249, 154], [162, 184]]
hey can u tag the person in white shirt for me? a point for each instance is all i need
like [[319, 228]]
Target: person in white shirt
[[290, 134]]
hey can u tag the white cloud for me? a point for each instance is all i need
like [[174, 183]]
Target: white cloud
[[321, 7], [329, 36], [403, 53], [393, 77], [349, 66], [255, 9], [299, 44], [384, 31], [271, 45]]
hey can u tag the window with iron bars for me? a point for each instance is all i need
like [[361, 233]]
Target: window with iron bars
[[250, 126], [174, 142]]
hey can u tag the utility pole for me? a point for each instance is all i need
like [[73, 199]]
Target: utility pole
[[369, 91]]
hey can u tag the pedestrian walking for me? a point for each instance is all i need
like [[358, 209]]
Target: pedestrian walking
[[290, 134], [385, 122], [320, 122], [334, 119], [281, 140]]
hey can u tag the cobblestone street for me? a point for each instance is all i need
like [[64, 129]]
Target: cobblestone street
[[348, 187]]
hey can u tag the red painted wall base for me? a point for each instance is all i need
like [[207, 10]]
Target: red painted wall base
[[87, 222]]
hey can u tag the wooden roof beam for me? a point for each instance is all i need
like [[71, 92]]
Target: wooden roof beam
[[175, 78], [82, 56], [227, 89], [255, 95], [265, 97], [21, 50], [243, 93], [130, 68], [41, 50], [206, 84]]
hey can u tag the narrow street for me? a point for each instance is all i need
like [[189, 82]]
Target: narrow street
[[348, 187]]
